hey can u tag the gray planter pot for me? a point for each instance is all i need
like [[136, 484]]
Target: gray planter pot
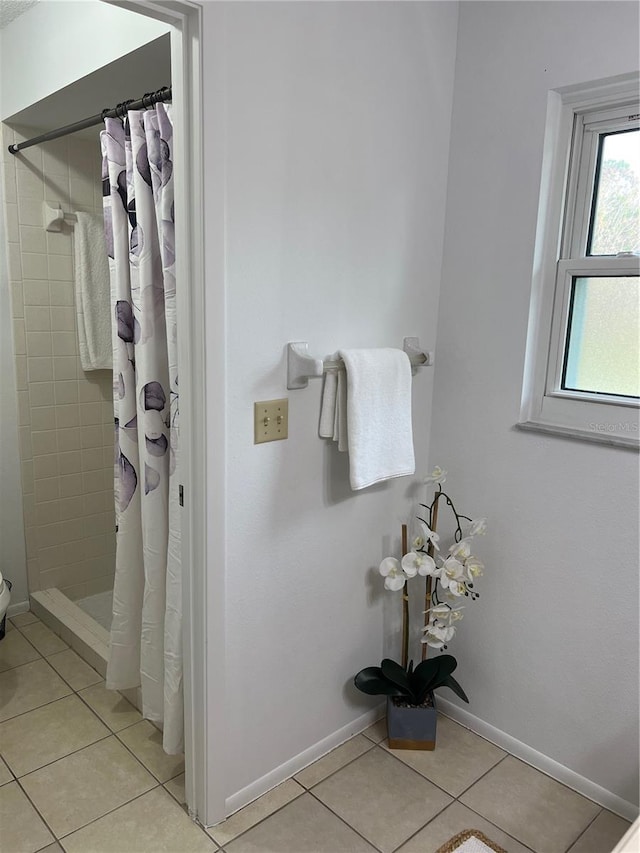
[[413, 727]]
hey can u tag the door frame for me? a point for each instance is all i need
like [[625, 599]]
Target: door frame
[[202, 437]]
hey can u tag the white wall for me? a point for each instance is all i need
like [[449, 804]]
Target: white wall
[[549, 654], [337, 125], [71, 38], [13, 558]]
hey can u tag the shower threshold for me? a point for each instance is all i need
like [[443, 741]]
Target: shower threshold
[[78, 629]]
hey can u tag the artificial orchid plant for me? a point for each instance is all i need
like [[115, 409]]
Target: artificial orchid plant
[[448, 579]]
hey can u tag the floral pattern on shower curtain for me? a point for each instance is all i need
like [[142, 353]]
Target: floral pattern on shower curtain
[[146, 640]]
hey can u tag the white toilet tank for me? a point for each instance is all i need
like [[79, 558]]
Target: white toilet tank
[[5, 598]]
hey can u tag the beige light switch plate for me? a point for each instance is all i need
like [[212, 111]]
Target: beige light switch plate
[[271, 420]]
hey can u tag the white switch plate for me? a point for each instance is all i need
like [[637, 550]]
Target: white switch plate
[[271, 420]]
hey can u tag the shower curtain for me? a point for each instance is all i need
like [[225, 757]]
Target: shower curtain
[[146, 640]]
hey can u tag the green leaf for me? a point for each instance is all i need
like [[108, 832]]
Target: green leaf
[[453, 685], [422, 680], [430, 674], [397, 674], [371, 681]]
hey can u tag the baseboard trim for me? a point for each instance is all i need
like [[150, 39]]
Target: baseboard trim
[[17, 608], [580, 784], [285, 771]]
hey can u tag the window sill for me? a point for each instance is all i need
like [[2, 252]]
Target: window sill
[[592, 436]]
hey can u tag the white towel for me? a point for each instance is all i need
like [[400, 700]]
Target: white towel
[[333, 408], [379, 427], [341, 434], [328, 405], [93, 293]]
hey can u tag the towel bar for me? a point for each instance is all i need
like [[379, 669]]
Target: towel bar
[[301, 366]]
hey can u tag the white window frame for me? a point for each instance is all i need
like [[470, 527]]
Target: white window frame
[[575, 115]]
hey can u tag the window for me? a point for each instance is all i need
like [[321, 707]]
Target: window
[[582, 374]]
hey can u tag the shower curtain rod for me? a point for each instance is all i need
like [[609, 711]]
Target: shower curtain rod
[[146, 101]]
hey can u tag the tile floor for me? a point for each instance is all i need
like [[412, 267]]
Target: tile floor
[[82, 772]]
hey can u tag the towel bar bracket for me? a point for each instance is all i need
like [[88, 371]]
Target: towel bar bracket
[[53, 217], [301, 366]]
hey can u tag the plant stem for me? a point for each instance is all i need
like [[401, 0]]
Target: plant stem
[[405, 608], [433, 518]]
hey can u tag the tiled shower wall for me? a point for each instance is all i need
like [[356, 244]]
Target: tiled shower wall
[[65, 415]]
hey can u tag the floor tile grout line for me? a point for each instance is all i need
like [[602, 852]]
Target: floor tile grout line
[[69, 649], [53, 702], [139, 760], [346, 822], [48, 702], [111, 733], [342, 767], [509, 755], [40, 622], [580, 834], [504, 758], [40, 849], [60, 758], [115, 734], [306, 790], [493, 823], [424, 826], [15, 628], [418, 831], [333, 772], [124, 728], [469, 729], [553, 779], [52, 654], [394, 753], [60, 838], [80, 696], [262, 819], [38, 812], [417, 772], [482, 776]]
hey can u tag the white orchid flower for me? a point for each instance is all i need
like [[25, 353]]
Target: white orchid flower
[[473, 567], [460, 550], [394, 577], [477, 527], [452, 569], [438, 475], [422, 535], [409, 564], [457, 588], [432, 537], [417, 562], [436, 636], [452, 577], [444, 613], [418, 535]]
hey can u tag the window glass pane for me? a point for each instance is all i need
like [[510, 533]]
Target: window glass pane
[[615, 221], [603, 351]]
